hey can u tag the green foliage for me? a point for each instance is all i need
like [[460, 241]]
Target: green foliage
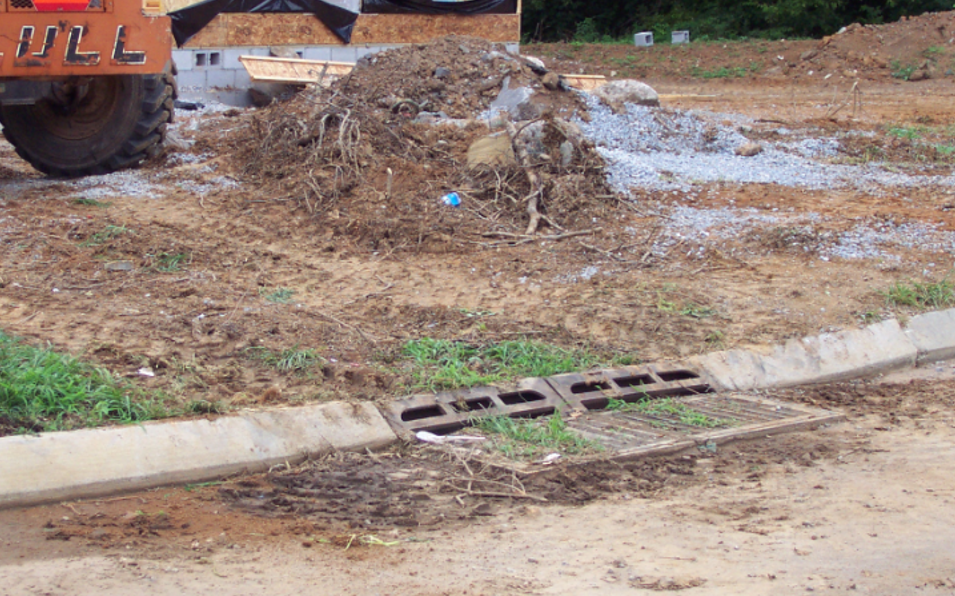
[[923, 296], [168, 263], [902, 71], [668, 407], [42, 390], [905, 132], [442, 364], [289, 360], [91, 202], [582, 21], [520, 437], [278, 295], [109, 233]]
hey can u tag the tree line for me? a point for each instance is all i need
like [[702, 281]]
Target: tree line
[[588, 21]]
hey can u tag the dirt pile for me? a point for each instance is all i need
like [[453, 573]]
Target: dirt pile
[[373, 154], [911, 49]]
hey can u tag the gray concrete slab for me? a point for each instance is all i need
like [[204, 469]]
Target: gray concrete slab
[[822, 358], [933, 334], [96, 462]]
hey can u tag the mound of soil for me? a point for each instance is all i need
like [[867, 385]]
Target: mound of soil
[[364, 157], [911, 49]]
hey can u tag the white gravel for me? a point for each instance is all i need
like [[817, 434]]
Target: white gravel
[[656, 149]]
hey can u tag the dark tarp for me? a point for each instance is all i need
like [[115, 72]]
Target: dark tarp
[[432, 7], [188, 21]]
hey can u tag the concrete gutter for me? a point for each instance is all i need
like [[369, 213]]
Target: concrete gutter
[[96, 462], [851, 354]]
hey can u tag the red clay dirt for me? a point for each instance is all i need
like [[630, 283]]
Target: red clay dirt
[[860, 506]]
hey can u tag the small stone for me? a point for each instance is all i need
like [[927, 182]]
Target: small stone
[[566, 153], [808, 55], [551, 81], [119, 266], [535, 64], [918, 75], [749, 149], [442, 73]]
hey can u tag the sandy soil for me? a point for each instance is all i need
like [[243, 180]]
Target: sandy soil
[[862, 506]]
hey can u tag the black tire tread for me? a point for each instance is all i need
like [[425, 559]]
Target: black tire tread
[[150, 132]]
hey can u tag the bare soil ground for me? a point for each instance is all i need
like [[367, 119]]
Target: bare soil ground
[[862, 506], [182, 265]]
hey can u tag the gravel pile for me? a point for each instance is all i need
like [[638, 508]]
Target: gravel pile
[[656, 149], [692, 230]]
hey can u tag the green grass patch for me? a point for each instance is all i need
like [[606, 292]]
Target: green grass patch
[[923, 296], [43, 390], [909, 133], [290, 360], [277, 295], [723, 72], [902, 71], [670, 408], [442, 364], [91, 203], [168, 263], [110, 232], [520, 438]]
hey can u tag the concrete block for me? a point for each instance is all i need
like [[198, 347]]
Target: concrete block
[[242, 79], [644, 39], [318, 53], [344, 54], [678, 37], [220, 78], [191, 78], [183, 59], [822, 358], [96, 462], [362, 51], [933, 335]]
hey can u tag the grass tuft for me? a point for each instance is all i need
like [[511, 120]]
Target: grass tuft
[[109, 233], [290, 360], [923, 296], [278, 295], [43, 390], [519, 438], [442, 364], [670, 408]]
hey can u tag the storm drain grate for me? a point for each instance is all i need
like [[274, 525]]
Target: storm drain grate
[[630, 412], [450, 411]]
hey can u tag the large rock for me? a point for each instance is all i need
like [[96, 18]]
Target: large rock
[[515, 101], [618, 93]]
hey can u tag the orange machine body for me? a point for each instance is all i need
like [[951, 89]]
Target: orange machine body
[[52, 39]]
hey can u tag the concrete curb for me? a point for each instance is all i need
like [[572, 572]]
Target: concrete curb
[[933, 334], [816, 359], [96, 462]]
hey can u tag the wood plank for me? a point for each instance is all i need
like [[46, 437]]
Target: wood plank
[[584, 82], [236, 30], [294, 70]]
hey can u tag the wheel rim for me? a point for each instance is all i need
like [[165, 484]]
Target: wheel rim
[[85, 118]]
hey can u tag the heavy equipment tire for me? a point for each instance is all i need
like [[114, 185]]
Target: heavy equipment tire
[[118, 123]]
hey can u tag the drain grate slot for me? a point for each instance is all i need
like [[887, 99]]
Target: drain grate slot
[[473, 405], [521, 397], [677, 375], [413, 414], [588, 387], [634, 381]]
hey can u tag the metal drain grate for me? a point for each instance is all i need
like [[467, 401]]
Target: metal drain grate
[[21, 5], [453, 410], [656, 409], [687, 422]]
